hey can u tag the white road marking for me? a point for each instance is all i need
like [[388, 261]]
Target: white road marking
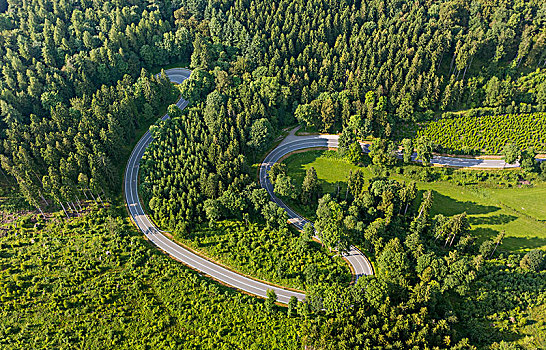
[[358, 261]]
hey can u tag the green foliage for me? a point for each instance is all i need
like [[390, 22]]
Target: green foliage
[[393, 265], [93, 282], [284, 186], [355, 154], [261, 134], [329, 224], [71, 98], [383, 152], [275, 255], [270, 301], [528, 161], [421, 281], [367, 68], [511, 153], [505, 305], [70, 104], [204, 170], [278, 169], [310, 187], [331, 170], [486, 248], [495, 200], [543, 170], [274, 216], [292, 307], [535, 260], [346, 139], [407, 145], [424, 147], [488, 134]]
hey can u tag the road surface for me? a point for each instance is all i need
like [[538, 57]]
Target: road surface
[[357, 260], [294, 143], [156, 236]]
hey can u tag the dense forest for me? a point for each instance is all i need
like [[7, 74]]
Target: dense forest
[[426, 267], [73, 93], [76, 90], [377, 65]]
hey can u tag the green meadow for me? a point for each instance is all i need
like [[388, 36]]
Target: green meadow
[[520, 212]]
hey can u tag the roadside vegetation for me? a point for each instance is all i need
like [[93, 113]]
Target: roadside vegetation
[[75, 92], [277, 255], [487, 134], [207, 187], [75, 85], [426, 251], [495, 200], [93, 282]]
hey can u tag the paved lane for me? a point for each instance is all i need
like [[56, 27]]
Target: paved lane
[[156, 236], [358, 261], [360, 264]]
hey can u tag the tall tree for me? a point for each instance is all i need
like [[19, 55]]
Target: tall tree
[[511, 153], [424, 148], [261, 134], [310, 187], [407, 146]]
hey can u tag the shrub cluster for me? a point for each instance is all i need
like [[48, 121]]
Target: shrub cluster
[[277, 255]]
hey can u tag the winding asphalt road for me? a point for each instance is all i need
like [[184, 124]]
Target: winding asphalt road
[[357, 260], [294, 143], [157, 237]]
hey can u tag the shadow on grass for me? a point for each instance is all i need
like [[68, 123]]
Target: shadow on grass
[[509, 242], [523, 243], [483, 233], [449, 206], [492, 220]]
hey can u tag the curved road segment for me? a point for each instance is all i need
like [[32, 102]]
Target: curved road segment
[[156, 236], [360, 264], [358, 261]]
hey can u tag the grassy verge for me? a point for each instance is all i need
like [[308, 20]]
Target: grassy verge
[[520, 212]]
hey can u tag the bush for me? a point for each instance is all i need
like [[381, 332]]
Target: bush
[[533, 261]]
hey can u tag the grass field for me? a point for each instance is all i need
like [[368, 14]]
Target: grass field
[[521, 212], [330, 171]]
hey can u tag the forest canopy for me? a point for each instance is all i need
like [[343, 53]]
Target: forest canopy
[[377, 65], [77, 90]]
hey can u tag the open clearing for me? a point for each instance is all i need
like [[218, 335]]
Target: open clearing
[[521, 212]]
